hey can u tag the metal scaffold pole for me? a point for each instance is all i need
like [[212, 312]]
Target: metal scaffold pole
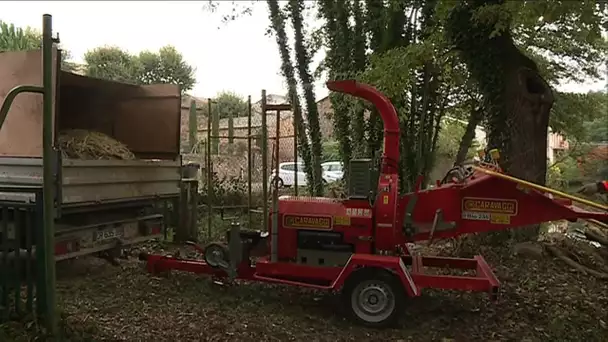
[[264, 163], [209, 172], [48, 173], [249, 163]]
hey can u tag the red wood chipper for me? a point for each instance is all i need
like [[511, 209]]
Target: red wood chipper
[[359, 245]]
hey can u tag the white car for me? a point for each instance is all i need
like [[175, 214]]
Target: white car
[[332, 171], [287, 174]]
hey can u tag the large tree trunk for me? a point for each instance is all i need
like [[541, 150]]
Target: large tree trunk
[[523, 140], [530, 100], [516, 97]]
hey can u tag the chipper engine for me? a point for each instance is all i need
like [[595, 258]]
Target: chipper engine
[[359, 245]]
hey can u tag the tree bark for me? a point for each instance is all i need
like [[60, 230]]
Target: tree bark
[[529, 101], [516, 97]]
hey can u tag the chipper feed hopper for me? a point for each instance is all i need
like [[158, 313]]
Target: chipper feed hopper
[[359, 245]]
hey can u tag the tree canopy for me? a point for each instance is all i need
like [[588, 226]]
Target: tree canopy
[[229, 104], [165, 66], [13, 38], [581, 117], [111, 62]]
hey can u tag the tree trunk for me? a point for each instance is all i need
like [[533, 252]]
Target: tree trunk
[[469, 134], [516, 97], [339, 62], [287, 69], [530, 100], [303, 63]]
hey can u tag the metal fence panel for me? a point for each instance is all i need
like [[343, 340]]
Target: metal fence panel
[[20, 229]]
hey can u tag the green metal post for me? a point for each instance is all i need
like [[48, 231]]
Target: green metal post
[[192, 126], [209, 171], [295, 142], [48, 177], [274, 234], [249, 162], [264, 164]]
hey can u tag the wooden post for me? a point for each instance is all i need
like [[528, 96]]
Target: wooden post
[[193, 210], [192, 126], [181, 231]]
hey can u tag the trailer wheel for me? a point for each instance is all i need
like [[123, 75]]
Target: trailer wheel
[[373, 297], [216, 255]]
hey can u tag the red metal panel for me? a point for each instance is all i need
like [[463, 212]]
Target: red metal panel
[[356, 233], [501, 204], [265, 268], [452, 282], [388, 229]]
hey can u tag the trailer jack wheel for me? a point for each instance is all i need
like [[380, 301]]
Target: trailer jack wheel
[[373, 298], [217, 255]]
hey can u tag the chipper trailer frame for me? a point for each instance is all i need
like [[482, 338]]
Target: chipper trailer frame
[[359, 245]]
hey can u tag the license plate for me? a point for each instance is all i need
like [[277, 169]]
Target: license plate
[[107, 234]]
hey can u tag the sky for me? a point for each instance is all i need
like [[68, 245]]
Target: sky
[[237, 57]]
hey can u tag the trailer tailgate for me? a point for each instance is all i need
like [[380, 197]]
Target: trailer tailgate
[[96, 181]]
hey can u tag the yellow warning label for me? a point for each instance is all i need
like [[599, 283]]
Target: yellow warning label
[[385, 199], [500, 219], [342, 220], [490, 205], [307, 221]]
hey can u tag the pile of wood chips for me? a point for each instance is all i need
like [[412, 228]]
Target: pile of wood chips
[[83, 144]]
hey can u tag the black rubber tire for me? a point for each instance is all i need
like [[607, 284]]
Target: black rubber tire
[[377, 276]]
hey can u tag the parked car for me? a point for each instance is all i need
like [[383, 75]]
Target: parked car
[[287, 175], [332, 171]]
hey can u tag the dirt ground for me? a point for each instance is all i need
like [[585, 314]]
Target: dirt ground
[[542, 300]]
